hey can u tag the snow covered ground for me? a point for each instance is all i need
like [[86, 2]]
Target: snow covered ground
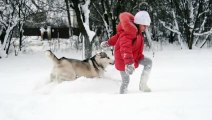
[[181, 83]]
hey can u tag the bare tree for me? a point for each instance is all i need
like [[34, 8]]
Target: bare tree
[[9, 20], [81, 15], [69, 16]]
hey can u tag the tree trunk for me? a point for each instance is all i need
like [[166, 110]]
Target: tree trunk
[[88, 50], [20, 27], [9, 42], [69, 17], [20, 37], [188, 36]]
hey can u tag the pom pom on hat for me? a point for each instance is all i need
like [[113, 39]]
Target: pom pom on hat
[[142, 17]]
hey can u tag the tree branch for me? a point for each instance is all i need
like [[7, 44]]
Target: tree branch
[[204, 33], [163, 23]]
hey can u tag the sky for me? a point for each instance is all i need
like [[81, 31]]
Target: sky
[[180, 80]]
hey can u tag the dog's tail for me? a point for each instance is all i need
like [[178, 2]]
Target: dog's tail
[[52, 56]]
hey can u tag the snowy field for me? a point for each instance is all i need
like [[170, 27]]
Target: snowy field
[[181, 83]]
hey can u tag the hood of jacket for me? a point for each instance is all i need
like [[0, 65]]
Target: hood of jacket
[[127, 24]]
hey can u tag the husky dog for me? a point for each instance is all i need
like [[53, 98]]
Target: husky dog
[[70, 69]]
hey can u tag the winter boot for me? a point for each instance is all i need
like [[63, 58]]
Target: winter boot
[[143, 82], [125, 82]]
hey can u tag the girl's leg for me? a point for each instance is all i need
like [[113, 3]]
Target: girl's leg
[[147, 63], [125, 82]]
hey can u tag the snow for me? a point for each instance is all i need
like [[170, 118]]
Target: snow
[[86, 12], [180, 81]]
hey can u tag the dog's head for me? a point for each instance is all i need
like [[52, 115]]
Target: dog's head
[[103, 59]]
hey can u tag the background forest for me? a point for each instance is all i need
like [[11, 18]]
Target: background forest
[[184, 22]]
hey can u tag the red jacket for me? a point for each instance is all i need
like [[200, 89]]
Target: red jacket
[[128, 42]]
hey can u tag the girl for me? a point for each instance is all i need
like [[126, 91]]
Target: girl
[[129, 44]]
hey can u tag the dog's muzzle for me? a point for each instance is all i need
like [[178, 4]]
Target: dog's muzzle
[[111, 63]]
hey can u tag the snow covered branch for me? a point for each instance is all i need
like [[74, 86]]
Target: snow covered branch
[[175, 31], [202, 13], [86, 12], [205, 33], [105, 23]]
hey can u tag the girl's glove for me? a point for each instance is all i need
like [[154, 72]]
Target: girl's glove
[[129, 69], [104, 44]]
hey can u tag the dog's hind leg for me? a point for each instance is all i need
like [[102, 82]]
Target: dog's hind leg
[[55, 77], [52, 77], [70, 76]]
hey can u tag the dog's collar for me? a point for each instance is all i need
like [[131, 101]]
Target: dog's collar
[[95, 64]]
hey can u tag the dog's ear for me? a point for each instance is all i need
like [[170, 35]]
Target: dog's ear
[[103, 55], [98, 53]]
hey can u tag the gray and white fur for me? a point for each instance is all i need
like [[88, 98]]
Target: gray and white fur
[[71, 69]]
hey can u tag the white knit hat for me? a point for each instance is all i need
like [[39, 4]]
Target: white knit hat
[[142, 17]]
